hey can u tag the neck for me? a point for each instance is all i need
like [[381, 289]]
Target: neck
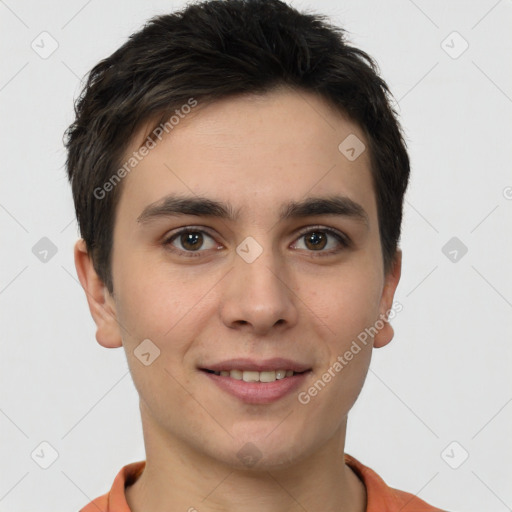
[[177, 477]]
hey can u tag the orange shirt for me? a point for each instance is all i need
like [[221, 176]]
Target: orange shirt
[[380, 497]]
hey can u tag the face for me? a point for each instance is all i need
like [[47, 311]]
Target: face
[[268, 286]]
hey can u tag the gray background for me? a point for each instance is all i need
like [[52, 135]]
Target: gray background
[[446, 376]]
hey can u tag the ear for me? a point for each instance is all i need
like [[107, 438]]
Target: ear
[[385, 335], [101, 303]]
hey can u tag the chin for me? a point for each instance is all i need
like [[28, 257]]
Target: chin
[[257, 453], [252, 459]]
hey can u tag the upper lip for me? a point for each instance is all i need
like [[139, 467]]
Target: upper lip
[[244, 364]]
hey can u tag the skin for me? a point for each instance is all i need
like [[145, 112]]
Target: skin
[[255, 152]]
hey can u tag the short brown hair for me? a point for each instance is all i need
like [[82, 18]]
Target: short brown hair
[[210, 51]]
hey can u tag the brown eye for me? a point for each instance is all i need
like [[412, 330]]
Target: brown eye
[[189, 241], [318, 239], [315, 240]]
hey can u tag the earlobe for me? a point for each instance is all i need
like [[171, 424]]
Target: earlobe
[[385, 335], [101, 305]]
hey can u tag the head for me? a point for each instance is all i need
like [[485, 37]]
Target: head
[[250, 122]]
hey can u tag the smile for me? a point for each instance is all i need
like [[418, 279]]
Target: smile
[[254, 376], [257, 387]]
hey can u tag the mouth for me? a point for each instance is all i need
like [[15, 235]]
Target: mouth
[[255, 376], [257, 382]]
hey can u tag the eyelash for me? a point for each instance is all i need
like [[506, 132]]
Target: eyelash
[[341, 238]]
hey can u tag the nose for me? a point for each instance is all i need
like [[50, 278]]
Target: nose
[[259, 296]]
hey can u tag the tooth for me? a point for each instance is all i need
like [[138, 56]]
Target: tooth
[[280, 374], [254, 376], [267, 376], [236, 374], [250, 376]]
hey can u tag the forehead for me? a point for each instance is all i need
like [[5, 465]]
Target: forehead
[[255, 151]]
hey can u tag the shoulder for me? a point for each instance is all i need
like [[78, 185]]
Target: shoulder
[[407, 502], [115, 499], [382, 498], [99, 503]]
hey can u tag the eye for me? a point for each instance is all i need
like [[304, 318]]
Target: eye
[[191, 240], [316, 239]]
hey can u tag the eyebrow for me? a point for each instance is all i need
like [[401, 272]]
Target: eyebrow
[[175, 205]]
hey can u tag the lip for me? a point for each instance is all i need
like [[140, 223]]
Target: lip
[[258, 392], [276, 363]]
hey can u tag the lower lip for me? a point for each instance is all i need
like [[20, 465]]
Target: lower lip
[[258, 392]]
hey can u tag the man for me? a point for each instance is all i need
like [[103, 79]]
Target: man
[[238, 177]]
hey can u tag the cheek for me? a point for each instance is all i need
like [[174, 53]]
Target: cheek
[[352, 307], [348, 303], [154, 300], [153, 304]]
